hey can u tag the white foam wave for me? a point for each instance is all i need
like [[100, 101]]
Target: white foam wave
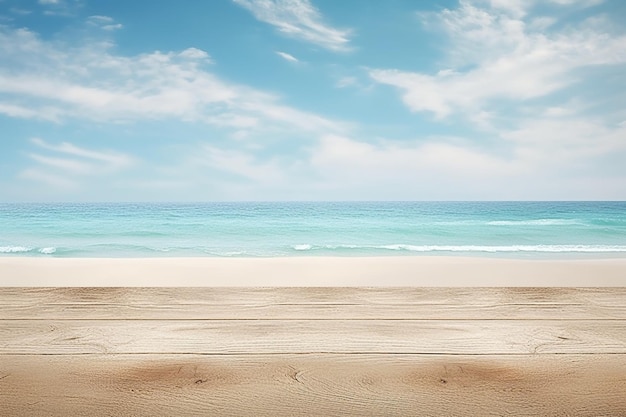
[[14, 249], [48, 251], [507, 248], [474, 248], [536, 222], [225, 253], [160, 249]]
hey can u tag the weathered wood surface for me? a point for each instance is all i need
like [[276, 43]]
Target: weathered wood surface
[[305, 336], [313, 385], [313, 303], [312, 351]]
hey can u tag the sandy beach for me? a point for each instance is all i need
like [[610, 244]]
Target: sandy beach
[[311, 272]]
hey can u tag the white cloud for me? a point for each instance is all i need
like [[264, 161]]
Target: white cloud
[[389, 160], [540, 160], [561, 142], [438, 168], [208, 170], [100, 19], [49, 179], [50, 81], [339, 167], [104, 22], [115, 26], [506, 60], [502, 71], [72, 166], [519, 8], [67, 166], [541, 23], [112, 160], [13, 110], [66, 8], [359, 85], [240, 163], [287, 57], [580, 3], [195, 53], [298, 19], [344, 82]]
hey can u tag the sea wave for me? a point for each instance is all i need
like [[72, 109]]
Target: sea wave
[[472, 248], [227, 254], [535, 222], [14, 249], [24, 249]]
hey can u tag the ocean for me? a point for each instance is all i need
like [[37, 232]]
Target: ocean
[[274, 229]]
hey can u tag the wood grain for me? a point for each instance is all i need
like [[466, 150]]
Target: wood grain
[[313, 303], [313, 351], [305, 336], [313, 385]]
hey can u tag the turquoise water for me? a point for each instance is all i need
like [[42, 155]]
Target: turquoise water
[[512, 229]]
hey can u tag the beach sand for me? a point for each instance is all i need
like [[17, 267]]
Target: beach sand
[[415, 271]]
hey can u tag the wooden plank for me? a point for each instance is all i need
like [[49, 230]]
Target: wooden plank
[[306, 336], [313, 385], [313, 303], [307, 295], [309, 312]]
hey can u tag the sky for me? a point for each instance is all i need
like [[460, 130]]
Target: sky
[[256, 100]]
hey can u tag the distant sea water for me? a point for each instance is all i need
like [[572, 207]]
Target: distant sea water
[[509, 229]]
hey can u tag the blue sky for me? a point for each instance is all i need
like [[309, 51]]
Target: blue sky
[[312, 100]]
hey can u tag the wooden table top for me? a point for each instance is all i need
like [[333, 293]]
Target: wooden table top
[[312, 351]]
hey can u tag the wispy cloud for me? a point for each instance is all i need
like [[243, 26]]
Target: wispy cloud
[[64, 8], [66, 165], [51, 81], [358, 83], [344, 82], [104, 22], [409, 166], [240, 163], [581, 3], [287, 57], [298, 19], [519, 8], [573, 140], [108, 159]]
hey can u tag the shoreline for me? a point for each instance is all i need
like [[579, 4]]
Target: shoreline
[[382, 271]]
